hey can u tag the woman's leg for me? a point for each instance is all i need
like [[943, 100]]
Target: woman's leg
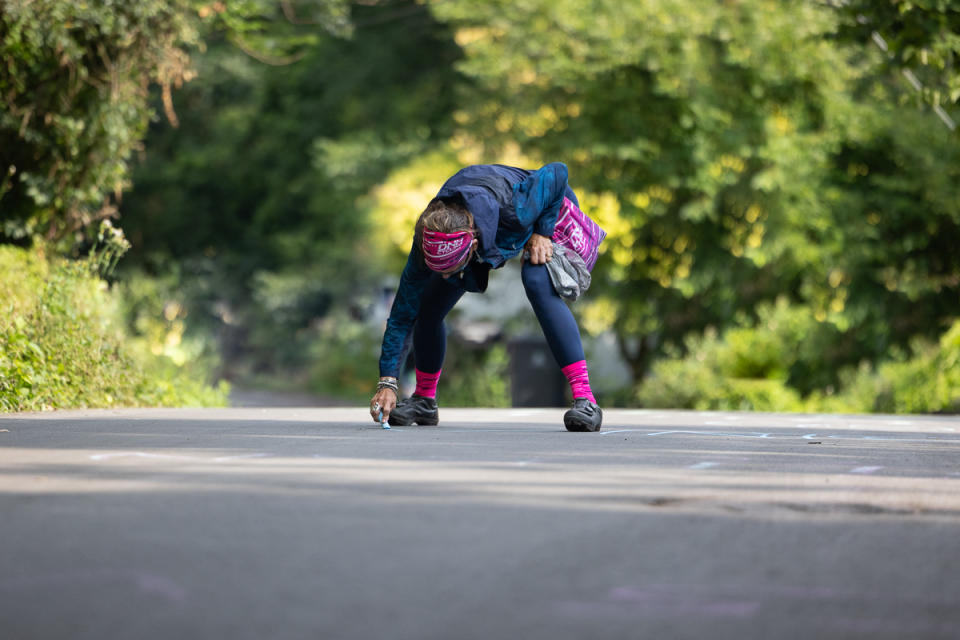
[[563, 336], [429, 347], [430, 335], [559, 327], [557, 321]]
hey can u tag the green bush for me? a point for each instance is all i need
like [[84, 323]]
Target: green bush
[[702, 381], [64, 342], [475, 376], [343, 353], [766, 368], [928, 382]]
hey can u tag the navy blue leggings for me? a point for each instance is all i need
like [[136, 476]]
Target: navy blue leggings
[[557, 321]]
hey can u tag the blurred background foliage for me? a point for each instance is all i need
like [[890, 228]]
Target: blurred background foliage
[[777, 179]]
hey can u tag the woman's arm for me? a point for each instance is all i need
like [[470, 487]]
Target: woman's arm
[[403, 313], [537, 199], [396, 337]]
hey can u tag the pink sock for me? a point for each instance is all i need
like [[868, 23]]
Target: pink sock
[[426, 384], [579, 380]]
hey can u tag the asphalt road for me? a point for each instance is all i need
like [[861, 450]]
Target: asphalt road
[[314, 523]]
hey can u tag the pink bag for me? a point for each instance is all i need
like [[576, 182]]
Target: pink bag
[[576, 231]]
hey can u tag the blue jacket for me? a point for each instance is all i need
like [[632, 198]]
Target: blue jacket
[[508, 206]]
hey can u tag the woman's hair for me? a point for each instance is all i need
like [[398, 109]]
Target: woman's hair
[[446, 216]]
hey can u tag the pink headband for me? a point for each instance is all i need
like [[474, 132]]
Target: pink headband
[[444, 251]]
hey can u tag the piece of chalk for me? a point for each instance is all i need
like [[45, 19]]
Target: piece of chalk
[[382, 423]]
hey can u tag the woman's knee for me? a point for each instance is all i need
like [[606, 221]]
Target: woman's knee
[[438, 299], [536, 280], [430, 319]]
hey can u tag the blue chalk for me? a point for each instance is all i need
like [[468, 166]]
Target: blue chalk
[[382, 423]]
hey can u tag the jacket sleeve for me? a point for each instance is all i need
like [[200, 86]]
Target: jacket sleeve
[[403, 314], [537, 199]]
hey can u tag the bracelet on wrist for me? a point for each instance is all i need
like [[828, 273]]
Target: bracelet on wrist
[[389, 383]]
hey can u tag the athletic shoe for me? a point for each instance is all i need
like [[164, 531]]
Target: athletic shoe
[[584, 416], [415, 409]]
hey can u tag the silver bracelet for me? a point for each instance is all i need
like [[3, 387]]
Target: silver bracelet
[[389, 384]]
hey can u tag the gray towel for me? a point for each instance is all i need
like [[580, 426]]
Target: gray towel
[[568, 272]]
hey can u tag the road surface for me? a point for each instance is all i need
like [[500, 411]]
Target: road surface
[[315, 523]]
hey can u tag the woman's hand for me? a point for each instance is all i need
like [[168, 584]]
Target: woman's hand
[[384, 400], [540, 248]]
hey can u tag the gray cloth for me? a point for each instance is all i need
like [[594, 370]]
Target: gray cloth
[[568, 272]]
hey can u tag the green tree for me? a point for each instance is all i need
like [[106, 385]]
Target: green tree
[[73, 83], [257, 197], [920, 38], [704, 124], [736, 153], [73, 104]]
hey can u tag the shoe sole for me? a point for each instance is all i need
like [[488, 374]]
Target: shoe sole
[[427, 422], [574, 424]]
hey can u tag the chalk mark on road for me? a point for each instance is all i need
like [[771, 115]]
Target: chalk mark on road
[[866, 470], [100, 457], [703, 465]]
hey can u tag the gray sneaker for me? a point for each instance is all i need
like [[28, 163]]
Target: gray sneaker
[[415, 409], [584, 416]]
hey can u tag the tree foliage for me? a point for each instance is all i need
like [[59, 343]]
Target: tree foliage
[[258, 196], [73, 81], [782, 209], [920, 37], [736, 153]]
